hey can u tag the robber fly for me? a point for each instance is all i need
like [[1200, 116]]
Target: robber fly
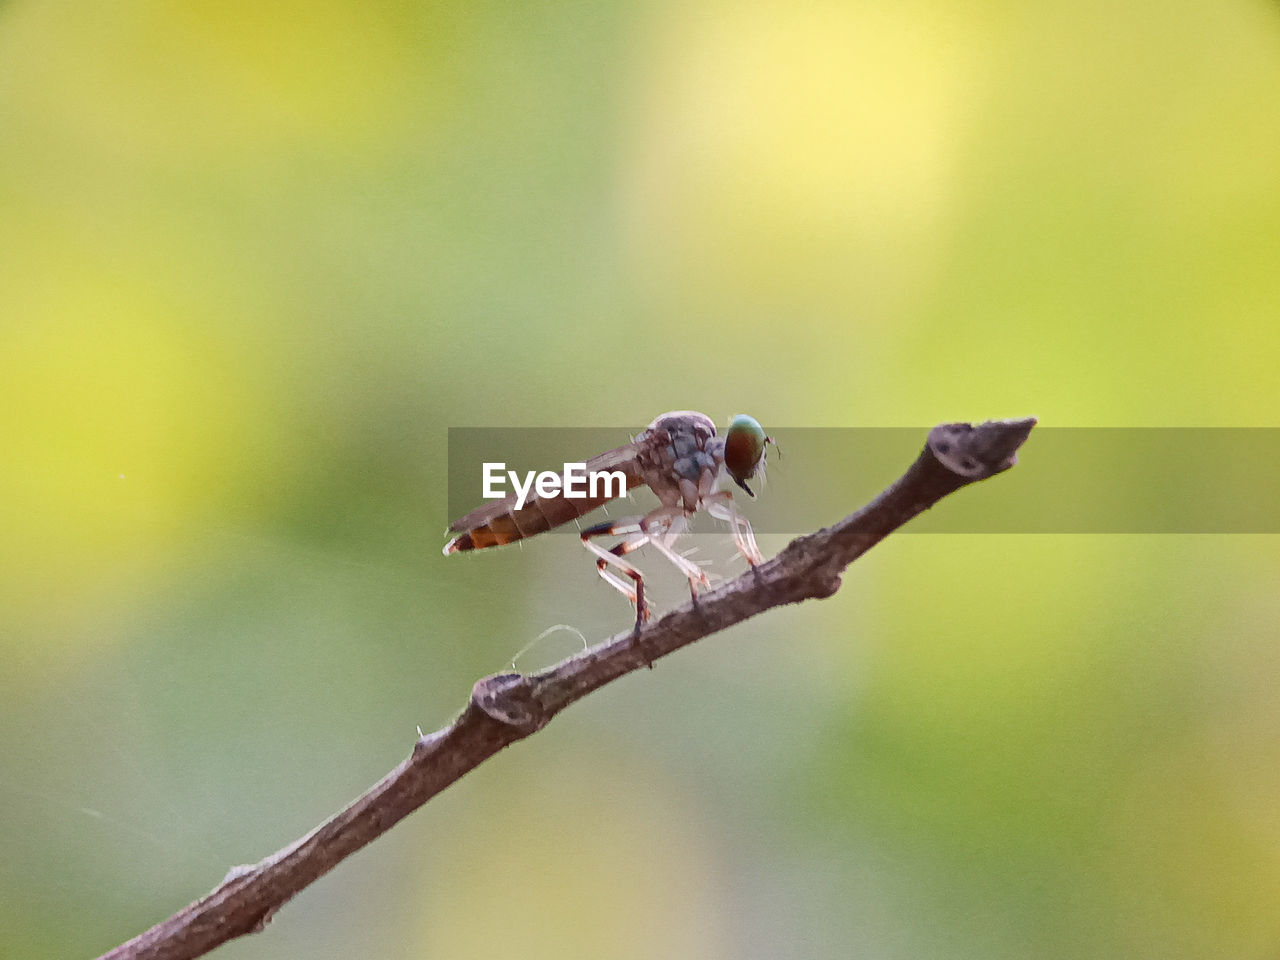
[[682, 459]]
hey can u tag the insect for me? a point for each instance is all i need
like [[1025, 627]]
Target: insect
[[682, 459]]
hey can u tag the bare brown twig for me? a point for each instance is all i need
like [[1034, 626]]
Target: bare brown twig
[[508, 707]]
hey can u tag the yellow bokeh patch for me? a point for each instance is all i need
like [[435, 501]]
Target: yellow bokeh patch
[[123, 422]]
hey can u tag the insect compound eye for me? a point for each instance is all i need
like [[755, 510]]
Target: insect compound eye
[[743, 447]]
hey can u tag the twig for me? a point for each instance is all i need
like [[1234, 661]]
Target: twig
[[508, 707]]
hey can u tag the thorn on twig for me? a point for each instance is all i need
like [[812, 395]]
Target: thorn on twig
[[426, 741]]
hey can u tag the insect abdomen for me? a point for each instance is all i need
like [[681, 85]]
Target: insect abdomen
[[539, 514]]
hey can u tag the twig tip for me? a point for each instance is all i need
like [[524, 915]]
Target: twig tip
[[982, 450]]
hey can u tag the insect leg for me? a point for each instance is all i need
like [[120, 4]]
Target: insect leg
[[722, 508], [672, 520], [633, 591]]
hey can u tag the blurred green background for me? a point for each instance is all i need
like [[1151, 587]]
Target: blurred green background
[[255, 258]]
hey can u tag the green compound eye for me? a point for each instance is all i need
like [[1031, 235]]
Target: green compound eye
[[744, 445]]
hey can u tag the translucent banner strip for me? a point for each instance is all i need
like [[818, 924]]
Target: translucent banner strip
[[1068, 480]]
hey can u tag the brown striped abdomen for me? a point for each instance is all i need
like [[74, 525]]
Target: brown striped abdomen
[[509, 525]]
